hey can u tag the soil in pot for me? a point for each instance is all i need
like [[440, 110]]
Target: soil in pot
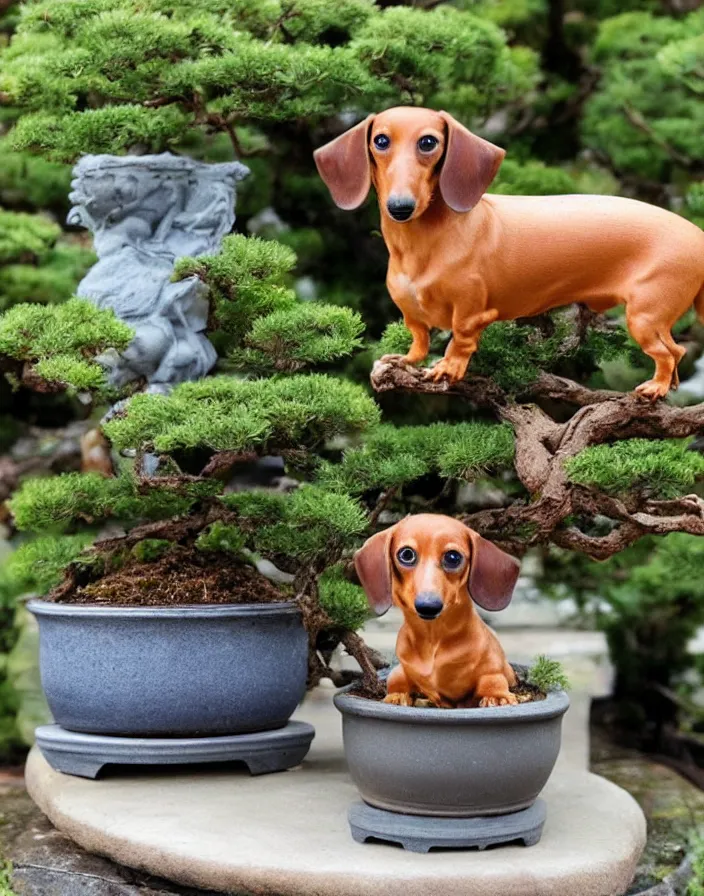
[[180, 576], [524, 691]]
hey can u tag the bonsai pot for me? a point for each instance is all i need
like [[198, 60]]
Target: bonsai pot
[[189, 671], [451, 762]]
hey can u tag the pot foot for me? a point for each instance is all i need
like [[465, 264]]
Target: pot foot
[[86, 755], [421, 833]]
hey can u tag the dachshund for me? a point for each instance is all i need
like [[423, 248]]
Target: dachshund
[[434, 568], [460, 260]]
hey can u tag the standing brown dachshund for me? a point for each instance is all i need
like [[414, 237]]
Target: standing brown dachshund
[[459, 260], [433, 568]]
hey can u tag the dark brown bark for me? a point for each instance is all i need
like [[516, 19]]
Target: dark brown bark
[[543, 444]]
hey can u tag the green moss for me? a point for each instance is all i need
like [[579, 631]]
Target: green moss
[[150, 549], [664, 468], [6, 878], [221, 537]]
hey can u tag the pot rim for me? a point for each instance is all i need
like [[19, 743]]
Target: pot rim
[[187, 611], [555, 704]]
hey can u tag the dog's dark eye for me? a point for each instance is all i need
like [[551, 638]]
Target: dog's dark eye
[[406, 557], [381, 141], [427, 143], [452, 559]]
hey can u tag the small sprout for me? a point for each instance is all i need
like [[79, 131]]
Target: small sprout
[[547, 675]]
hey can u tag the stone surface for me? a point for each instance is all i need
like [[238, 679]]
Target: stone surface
[[288, 834], [47, 863], [673, 807], [144, 212]]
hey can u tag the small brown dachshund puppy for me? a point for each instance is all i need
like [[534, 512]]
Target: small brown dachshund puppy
[[459, 259], [434, 568]]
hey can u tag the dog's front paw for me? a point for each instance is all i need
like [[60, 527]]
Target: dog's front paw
[[399, 699], [652, 390], [450, 369], [508, 700]]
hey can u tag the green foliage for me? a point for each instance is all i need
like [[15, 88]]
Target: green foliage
[[27, 181], [246, 280], [59, 340], [695, 887], [664, 468], [396, 456], [451, 58], [102, 77], [227, 414], [51, 279], [297, 337], [25, 238], [395, 340], [513, 353], [310, 522], [38, 565], [547, 675], [345, 603], [647, 115], [649, 601], [57, 501], [532, 179]]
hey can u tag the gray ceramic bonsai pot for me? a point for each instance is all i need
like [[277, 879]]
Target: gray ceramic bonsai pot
[[192, 671], [451, 762]]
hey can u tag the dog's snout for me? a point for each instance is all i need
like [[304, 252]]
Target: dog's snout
[[428, 605], [401, 207]]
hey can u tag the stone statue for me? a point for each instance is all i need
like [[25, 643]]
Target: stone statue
[[144, 213]]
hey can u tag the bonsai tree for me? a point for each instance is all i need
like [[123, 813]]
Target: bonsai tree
[[539, 448]]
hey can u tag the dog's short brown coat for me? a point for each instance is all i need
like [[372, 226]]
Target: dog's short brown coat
[[464, 259], [454, 659]]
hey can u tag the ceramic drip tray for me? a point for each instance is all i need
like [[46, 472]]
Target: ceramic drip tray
[[85, 755], [421, 833]]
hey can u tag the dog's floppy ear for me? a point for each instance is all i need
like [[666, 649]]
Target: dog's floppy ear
[[492, 575], [470, 166], [373, 565], [344, 165]]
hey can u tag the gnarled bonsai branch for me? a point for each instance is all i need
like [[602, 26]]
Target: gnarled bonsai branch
[[543, 444]]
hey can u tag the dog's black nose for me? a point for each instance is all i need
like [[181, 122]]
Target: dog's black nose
[[428, 605], [401, 208]]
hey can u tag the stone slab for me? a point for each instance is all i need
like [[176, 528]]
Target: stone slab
[[288, 834]]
